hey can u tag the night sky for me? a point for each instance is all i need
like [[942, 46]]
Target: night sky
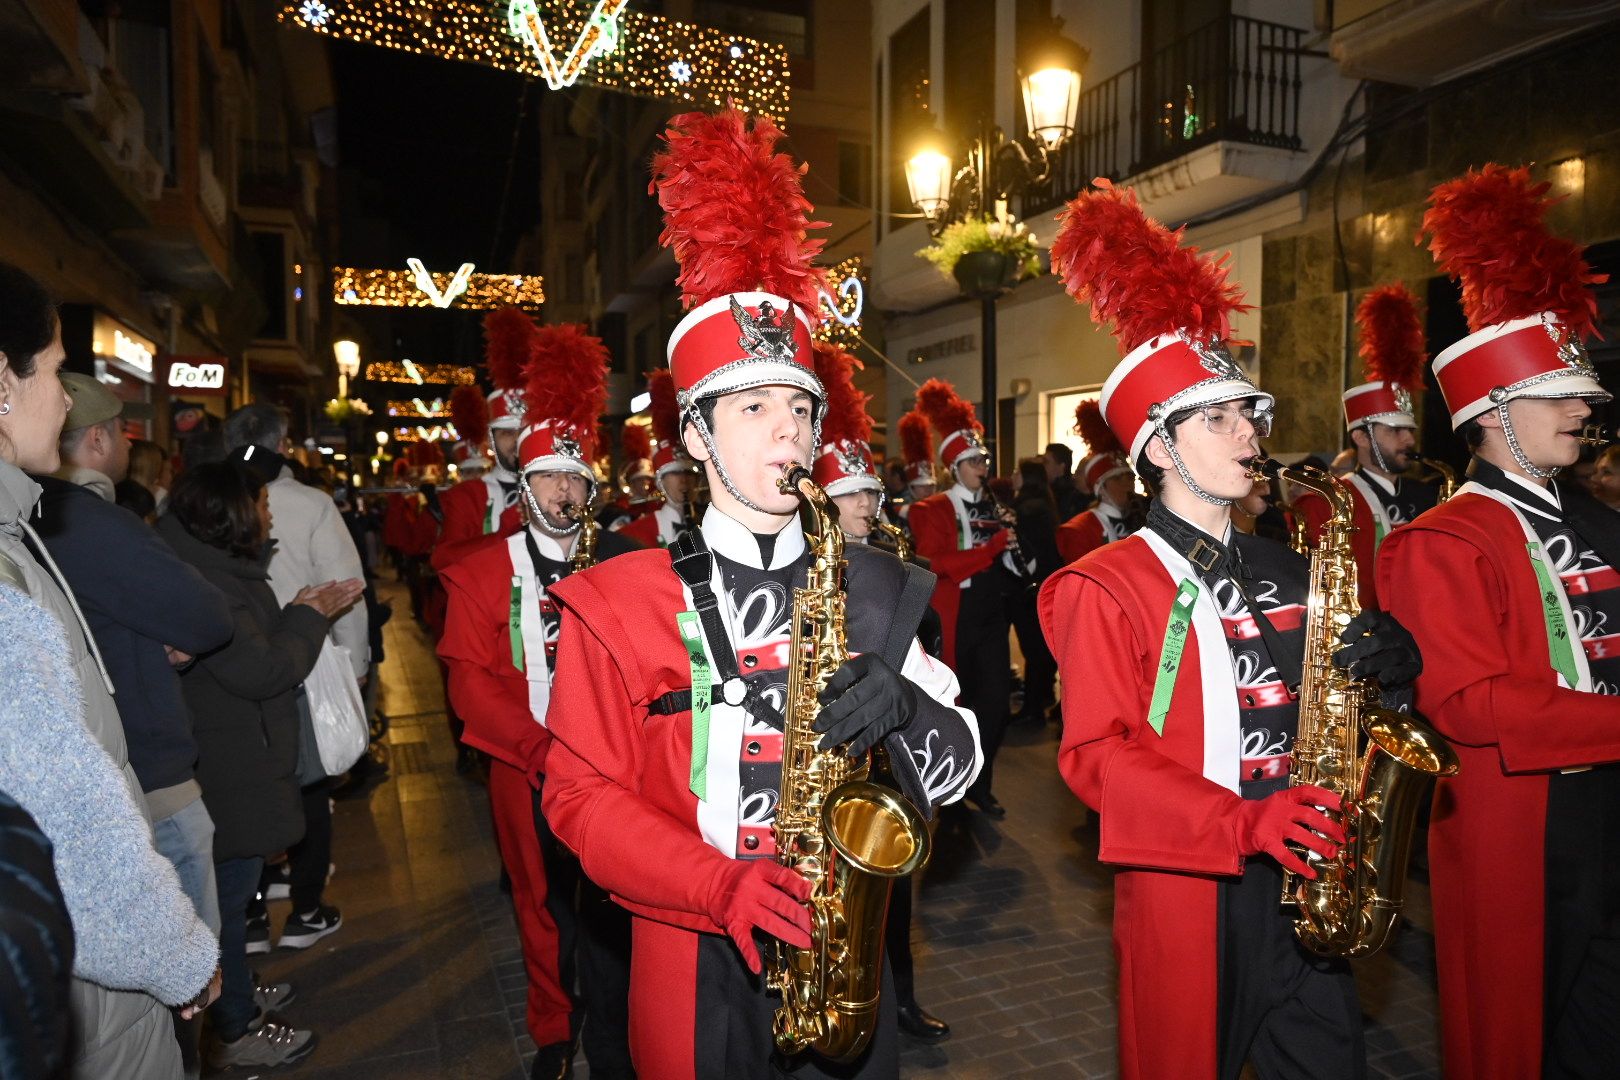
[[425, 146]]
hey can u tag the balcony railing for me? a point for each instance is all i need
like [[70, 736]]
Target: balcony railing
[[1234, 79]]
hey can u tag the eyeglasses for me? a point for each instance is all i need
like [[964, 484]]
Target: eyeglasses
[[1223, 419]]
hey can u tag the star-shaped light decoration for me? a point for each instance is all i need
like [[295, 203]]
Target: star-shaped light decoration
[[315, 13], [681, 71]]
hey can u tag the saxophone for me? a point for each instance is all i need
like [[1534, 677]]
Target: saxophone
[[894, 534], [849, 837], [1350, 909], [584, 556], [1447, 475]]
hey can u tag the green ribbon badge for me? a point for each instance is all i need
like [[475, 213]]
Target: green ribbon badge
[[691, 629], [514, 623], [1175, 639], [1561, 652]]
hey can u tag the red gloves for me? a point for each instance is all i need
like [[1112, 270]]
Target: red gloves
[[760, 894], [1290, 815]]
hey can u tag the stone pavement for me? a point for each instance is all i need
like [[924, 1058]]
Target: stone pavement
[[1011, 931]]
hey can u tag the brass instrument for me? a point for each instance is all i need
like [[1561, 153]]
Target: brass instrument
[[850, 838], [1448, 476], [1595, 435], [896, 535], [584, 556], [1350, 909]]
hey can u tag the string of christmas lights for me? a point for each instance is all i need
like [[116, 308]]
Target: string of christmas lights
[[417, 408], [652, 56], [397, 371], [843, 303], [462, 289]]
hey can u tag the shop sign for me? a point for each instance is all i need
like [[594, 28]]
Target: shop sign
[[204, 375]]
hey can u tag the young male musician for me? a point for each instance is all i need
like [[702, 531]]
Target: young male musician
[[1383, 432], [673, 471], [1108, 474], [1512, 587], [1188, 642], [962, 534], [500, 644], [666, 766], [483, 511]]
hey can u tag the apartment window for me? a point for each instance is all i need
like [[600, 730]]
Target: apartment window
[[270, 254], [911, 120], [781, 22], [854, 174]]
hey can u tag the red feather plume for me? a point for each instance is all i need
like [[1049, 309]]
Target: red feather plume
[[1090, 426], [470, 413], [939, 402], [1136, 274], [636, 441], [509, 337], [425, 452], [665, 411], [846, 416], [566, 381], [1487, 230], [1392, 344], [916, 445], [735, 213]]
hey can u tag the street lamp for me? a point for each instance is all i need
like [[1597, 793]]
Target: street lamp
[[348, 363], [995, 169]]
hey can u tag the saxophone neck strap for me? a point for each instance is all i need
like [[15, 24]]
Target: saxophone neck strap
[[694, 565], [1213, 559]]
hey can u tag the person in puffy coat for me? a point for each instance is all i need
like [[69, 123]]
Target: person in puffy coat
[[243, 703]]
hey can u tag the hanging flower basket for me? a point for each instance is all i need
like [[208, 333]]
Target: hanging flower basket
[[985, 256]]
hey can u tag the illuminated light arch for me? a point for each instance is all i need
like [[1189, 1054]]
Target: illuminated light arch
[[416, 287]]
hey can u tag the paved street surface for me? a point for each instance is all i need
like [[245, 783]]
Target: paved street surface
[[1011, 936]]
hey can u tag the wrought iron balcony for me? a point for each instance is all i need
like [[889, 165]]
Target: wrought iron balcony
[[1236, 79]]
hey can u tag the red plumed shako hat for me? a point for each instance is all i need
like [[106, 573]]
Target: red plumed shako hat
[[509, 341], [1527, 295], [917, 448], [960, 433], [469, 412], [1170, 307], [1107, 456], [565, 391], [736, 217], [669, 454], [1392, 355], [843, 463]]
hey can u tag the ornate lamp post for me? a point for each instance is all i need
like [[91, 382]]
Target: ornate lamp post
[[994, 169]]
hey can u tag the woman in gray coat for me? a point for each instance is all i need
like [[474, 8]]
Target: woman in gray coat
[[152, 950], [243, 703]]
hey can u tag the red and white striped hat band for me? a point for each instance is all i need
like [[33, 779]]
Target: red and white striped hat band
[[921, 472], [961, 444], [1531, 357], [1384, 403], [845, 467], [1100, 468], [742, 340], [1165, 375], [505, 410], [547, 448]]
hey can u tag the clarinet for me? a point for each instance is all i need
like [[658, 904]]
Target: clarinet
[[1009, 521]]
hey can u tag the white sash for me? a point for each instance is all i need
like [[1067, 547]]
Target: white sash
[[535, 668], [494, 504], [1374, 503], [1473, 487], [1223, 732]]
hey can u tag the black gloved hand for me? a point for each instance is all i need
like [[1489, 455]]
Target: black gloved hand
[[864, 701], [1378, 647]]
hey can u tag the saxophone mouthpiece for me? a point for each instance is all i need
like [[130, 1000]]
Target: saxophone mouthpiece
[[1595, 435], [793, 474], [1257, 468]]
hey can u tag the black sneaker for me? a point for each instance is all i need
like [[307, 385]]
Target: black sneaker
[[302, 931], [258, 933]]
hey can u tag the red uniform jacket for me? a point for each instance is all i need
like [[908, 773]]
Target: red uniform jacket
[[1169, 828], [1314, 509], [466, 521], [643, 530], [1459, 579], [1081, 535], [408, 527], [489, 692], [937, 535]]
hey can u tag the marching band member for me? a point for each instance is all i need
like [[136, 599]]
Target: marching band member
[[482, 511], [1189, 639], [1515, 583], [500, 644], [469, 412], [673, 471], [917, 452], [1108, 474], [666, 766], [1383, 432]]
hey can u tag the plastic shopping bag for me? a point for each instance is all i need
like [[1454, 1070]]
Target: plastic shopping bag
[[336, 709]]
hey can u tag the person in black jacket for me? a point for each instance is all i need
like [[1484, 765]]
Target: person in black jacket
[[243, 700], [147, 610], [36, 951], [1037, 515]]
